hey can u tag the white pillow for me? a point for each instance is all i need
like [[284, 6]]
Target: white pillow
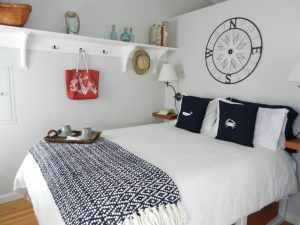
[[281, 141], [216, 125], [269, 128], [210, 118]]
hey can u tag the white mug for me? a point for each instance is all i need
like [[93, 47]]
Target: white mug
[[86, 133], [65, 131]]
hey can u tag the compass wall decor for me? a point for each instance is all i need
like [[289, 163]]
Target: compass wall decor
[[233, 50]]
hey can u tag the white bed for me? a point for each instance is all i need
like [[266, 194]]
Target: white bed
[[219, 182]]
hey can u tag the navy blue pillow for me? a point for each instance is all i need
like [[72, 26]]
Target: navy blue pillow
[[237, 123], [291, 116], [192, 113]]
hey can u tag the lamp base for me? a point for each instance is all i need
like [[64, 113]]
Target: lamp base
[[178, 96]]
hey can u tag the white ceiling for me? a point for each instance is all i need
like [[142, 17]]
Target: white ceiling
[[217, 1], [177, 7]]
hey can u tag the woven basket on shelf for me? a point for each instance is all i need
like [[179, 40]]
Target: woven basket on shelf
[[14, 14]]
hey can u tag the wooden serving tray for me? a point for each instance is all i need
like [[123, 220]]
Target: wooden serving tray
[[53, 137]]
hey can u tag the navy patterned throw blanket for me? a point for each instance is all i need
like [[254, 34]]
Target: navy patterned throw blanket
[[104, 184]]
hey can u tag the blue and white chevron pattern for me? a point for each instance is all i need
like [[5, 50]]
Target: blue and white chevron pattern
[[101, 183]]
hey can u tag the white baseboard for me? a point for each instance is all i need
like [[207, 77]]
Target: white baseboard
[[10, 197], [293, 219]]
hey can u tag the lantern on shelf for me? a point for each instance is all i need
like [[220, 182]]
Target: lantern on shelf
[[72, 22]]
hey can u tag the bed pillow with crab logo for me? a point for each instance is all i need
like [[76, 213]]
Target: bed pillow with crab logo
[[192, 113], [237, 123]]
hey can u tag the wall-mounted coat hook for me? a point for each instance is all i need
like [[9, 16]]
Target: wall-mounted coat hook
[[105, 52], [55, 47]]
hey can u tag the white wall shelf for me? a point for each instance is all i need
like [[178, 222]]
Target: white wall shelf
[[23, 39]]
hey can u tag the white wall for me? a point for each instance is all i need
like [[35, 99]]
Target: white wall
[[279, 23], [125, 98]]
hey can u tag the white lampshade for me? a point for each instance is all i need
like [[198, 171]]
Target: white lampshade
[[295, 72], [167, 73]]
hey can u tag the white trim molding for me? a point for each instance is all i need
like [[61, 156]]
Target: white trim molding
[[293, 219], [10, 197]]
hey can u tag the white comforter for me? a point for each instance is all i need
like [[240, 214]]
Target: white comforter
[[219, 182]]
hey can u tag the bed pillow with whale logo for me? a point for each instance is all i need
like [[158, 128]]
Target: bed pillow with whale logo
[[192, 113], [237, 123]]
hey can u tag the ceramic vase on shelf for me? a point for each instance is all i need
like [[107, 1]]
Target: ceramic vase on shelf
[[131, 35], [113, 34], [125, 36]]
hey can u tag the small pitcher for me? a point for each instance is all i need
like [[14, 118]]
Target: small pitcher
[[86, 133]]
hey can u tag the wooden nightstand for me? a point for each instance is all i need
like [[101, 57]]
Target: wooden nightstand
[[172, 116], [293, 143]]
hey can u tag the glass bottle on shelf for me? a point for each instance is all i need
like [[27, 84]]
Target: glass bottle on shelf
[[131, 35], [113, 34], [125, 36]]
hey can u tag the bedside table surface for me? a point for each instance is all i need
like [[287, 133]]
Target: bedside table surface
[[172, 116], [293, 143]]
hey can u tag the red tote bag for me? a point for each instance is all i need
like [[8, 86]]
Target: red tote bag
[[82, 84]]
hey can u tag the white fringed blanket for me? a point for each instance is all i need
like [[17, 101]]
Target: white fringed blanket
[[104, 184]]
